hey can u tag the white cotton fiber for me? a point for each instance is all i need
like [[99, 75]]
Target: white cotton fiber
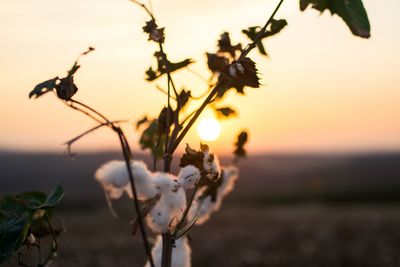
[[181, 253], [143, 180], [205, 207], [211, 163], [113, 176], [169, 209], [188, 176]]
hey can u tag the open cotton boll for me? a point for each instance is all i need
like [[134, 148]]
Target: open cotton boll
[[229, 176], [143, 180], [114, 178], [205, 207], [211, 163], [169, 209], [181, 253], [188, 176]]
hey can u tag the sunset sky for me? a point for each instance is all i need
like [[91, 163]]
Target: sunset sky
[[323, 89]]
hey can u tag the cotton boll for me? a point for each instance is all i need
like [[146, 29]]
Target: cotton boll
[[229, 176], [169, 209], [114, 178], [113, 173], [188, 176], [181, 253], [165, 182], [211, 163], [143, 180], [205, 207]]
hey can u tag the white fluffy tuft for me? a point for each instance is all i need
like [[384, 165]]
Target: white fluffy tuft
[[188, 176], [113, 176], [168, 211], [205, 207]]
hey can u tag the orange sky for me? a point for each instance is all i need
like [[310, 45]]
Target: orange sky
[[324, 90]]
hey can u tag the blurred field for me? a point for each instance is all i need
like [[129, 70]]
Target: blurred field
[[285, 211], [295, 235]]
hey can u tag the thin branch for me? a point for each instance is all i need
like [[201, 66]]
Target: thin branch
[[148, 11], [71, 105], [159, 88], [73, 140], [198, 75], [91, 109]]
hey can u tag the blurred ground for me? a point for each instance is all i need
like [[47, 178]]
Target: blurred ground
[[283, 235], [285, 211]]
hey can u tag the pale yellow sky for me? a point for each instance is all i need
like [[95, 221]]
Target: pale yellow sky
[[324, 90]]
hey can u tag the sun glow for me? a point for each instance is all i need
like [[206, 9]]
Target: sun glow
[[209, 129]]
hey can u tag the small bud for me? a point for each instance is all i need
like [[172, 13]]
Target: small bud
[[30, 239], [66, 88]]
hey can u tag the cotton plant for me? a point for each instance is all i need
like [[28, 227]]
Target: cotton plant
[[171, 204], [208, 182]]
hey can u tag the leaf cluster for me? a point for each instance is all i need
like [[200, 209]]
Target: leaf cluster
[[23, 214]]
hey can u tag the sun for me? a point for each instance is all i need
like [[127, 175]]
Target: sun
[[209, 129]]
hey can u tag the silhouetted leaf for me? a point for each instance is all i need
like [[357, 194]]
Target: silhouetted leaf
[[43, 88], [76, 65], [151, 74], [225, 112], [239, 145], [351, 11], [179, 65], [162, 68], [216, 63], [183, 98], [141, 122], [162, 120], [275, 27], [225, 45]]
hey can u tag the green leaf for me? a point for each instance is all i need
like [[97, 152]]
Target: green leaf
[[53, 198], [351, 11], [43, 88], [13, 232], [22, 203], [151, 139]]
